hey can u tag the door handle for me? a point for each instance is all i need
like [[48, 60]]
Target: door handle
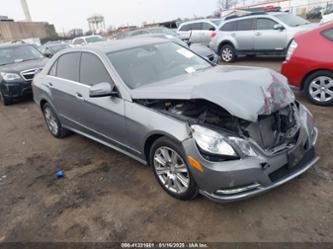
[[258, 34], [50, 85], [79, 96]]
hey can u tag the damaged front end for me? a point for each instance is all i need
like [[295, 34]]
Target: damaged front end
[[271, 133]]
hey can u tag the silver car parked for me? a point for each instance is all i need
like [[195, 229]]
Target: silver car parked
[[225, 132], [256, 34]]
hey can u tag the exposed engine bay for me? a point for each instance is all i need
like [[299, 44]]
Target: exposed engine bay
[[279, 129]]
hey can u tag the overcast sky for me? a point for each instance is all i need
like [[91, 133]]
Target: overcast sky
[[68, 14]]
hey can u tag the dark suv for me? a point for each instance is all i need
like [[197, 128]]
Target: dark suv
[[18, 65]]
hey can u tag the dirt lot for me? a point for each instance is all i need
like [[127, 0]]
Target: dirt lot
[[106, 196]]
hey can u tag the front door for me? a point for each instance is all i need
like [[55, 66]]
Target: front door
[[267, 38]]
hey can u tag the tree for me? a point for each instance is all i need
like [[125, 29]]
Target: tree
[[223, 5]]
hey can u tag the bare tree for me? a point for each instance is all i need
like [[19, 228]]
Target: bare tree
[[225, 4]]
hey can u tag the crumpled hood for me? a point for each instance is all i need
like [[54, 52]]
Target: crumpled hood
[[245, 92]]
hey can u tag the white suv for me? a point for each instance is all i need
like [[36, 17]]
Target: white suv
[[200, 31]]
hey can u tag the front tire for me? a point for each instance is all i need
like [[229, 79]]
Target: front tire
[[171, 170], [5, 100], [53, 123], [228, 53], [318, 87]]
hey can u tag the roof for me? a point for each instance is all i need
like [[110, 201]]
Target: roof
[[11, 45], [116, 45]]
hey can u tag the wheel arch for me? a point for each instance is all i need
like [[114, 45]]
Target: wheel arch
[[152, 138], [226, 42]]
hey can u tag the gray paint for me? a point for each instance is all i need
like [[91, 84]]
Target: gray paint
[[124, 125]]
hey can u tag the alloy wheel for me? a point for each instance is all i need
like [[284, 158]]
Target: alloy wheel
[[227, 54], [321, 89], [51, 121], [171, 170]]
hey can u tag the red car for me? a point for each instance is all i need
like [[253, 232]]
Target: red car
[[309, 64]]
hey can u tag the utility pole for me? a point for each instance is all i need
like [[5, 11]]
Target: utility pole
[[26, 11]]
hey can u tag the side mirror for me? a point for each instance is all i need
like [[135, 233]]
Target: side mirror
[[278, 27], [103, 89]]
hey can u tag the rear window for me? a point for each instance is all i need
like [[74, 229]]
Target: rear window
[[328, 33], [244, 25], [230, 26]]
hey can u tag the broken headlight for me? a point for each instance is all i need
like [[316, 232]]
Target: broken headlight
[[212, 142], [244, 146]]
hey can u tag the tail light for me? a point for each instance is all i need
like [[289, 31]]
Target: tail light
[[213, 34], [292, 47]]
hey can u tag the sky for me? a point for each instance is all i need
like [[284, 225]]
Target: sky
[[68, 14]]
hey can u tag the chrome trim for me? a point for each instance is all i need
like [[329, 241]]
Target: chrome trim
[[316, 136], [263, 189], [236, 190], [31, 71]]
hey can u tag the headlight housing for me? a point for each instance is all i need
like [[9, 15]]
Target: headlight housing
[[10, 76], [293, 45], [212, 142]]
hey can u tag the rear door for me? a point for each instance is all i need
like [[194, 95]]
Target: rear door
[[267, 38], [64, 87], [244, 34]]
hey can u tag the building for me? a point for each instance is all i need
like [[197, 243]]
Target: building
[[10, 30]]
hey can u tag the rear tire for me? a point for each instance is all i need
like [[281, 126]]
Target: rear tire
[[228, 53], [171, 170], [53, 123], [318, 87]]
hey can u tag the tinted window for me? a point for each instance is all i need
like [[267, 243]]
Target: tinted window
[[151, 63], [246, 24], [328, 33], [196, 26], [264, 24], [185, 27], [92, 70], [207, 26], [53, 70], [230, 26], [68, 66]]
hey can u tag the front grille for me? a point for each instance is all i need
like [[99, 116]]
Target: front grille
[[28, 75]]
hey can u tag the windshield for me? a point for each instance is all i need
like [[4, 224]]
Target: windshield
[[10, 55], [291, 20], [143, 65], [93, 39]]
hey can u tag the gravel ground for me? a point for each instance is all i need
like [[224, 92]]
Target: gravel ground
[[107, 196]]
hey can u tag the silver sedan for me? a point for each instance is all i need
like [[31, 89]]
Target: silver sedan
[[223, 131]]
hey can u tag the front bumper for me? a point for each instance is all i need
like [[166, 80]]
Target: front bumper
[[240, 179], [16, 89]]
